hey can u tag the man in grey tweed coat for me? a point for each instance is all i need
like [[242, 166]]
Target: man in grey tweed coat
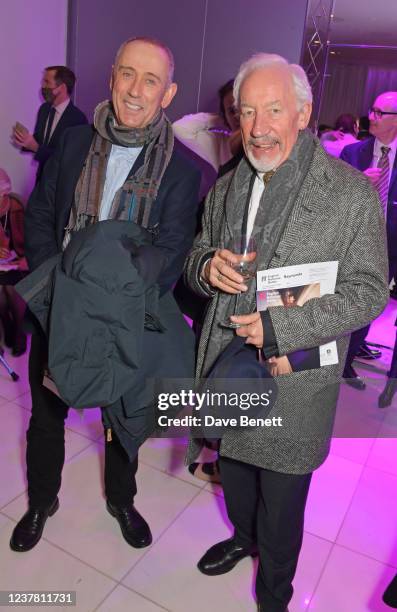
[[302, 206]]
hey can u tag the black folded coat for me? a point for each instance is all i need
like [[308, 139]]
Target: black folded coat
[[238, 385], [108, 327]]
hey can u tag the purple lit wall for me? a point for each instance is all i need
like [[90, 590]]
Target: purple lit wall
[[32, 36], [210, 39]]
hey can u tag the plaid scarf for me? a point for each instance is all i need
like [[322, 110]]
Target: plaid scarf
[[134, 200]]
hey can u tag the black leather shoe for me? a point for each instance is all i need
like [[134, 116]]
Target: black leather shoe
[[386, 397], [353, 379], [365, 352], [222, 557], [133, 526], [390, 595], [28, 531], [263, 610]]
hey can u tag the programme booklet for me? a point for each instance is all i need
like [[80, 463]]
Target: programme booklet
[[294, 286]]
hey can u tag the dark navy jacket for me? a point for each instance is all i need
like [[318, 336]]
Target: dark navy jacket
[[360, 156], [173, 214], [70, 117]]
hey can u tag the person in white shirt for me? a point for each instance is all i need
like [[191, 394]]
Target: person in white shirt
[[215, 137], [345, 133]]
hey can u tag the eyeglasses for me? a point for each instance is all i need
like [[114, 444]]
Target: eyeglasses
[[378, 114]]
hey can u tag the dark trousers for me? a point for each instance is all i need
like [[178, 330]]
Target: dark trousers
[[356, 340], [45, 453], [358, 337], [393, 274], [267, 508], [393, 268], [393, 366]]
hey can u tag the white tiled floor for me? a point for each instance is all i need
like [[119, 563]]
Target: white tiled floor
[[349, 550]]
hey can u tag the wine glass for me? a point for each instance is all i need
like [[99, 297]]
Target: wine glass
[[243, 246]]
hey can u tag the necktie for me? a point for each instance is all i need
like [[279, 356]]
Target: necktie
[[383, 183], [50, 121], [267, 176]]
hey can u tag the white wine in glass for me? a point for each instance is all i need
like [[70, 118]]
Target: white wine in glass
[[246, 267]]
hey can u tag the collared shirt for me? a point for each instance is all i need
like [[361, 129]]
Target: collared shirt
[[256, 194], [257, 191], [59, 110], [378, 153], [121, 160]]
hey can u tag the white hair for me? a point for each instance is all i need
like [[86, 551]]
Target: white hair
[[300, 81]]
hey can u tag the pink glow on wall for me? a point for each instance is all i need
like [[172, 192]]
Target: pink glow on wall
[[32, 36]]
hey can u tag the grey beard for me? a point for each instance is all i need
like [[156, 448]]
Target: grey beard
[[262, 166]]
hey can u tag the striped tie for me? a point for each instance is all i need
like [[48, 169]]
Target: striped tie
[[383, 183]]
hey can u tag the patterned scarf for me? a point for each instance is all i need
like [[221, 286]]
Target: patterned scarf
[[275, 207], [134, 200]]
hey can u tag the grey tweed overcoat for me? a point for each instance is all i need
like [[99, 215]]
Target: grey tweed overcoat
[[336, 216]]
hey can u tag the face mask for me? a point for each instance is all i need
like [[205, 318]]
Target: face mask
[[48, 94]]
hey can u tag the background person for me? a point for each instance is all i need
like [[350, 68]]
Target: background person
[[376, 158], [345, 133], [215, 137], [54, 116], [12, 254]]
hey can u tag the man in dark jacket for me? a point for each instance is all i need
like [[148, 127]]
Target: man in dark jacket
[[54, 116], [376, 158], [125, 168]]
